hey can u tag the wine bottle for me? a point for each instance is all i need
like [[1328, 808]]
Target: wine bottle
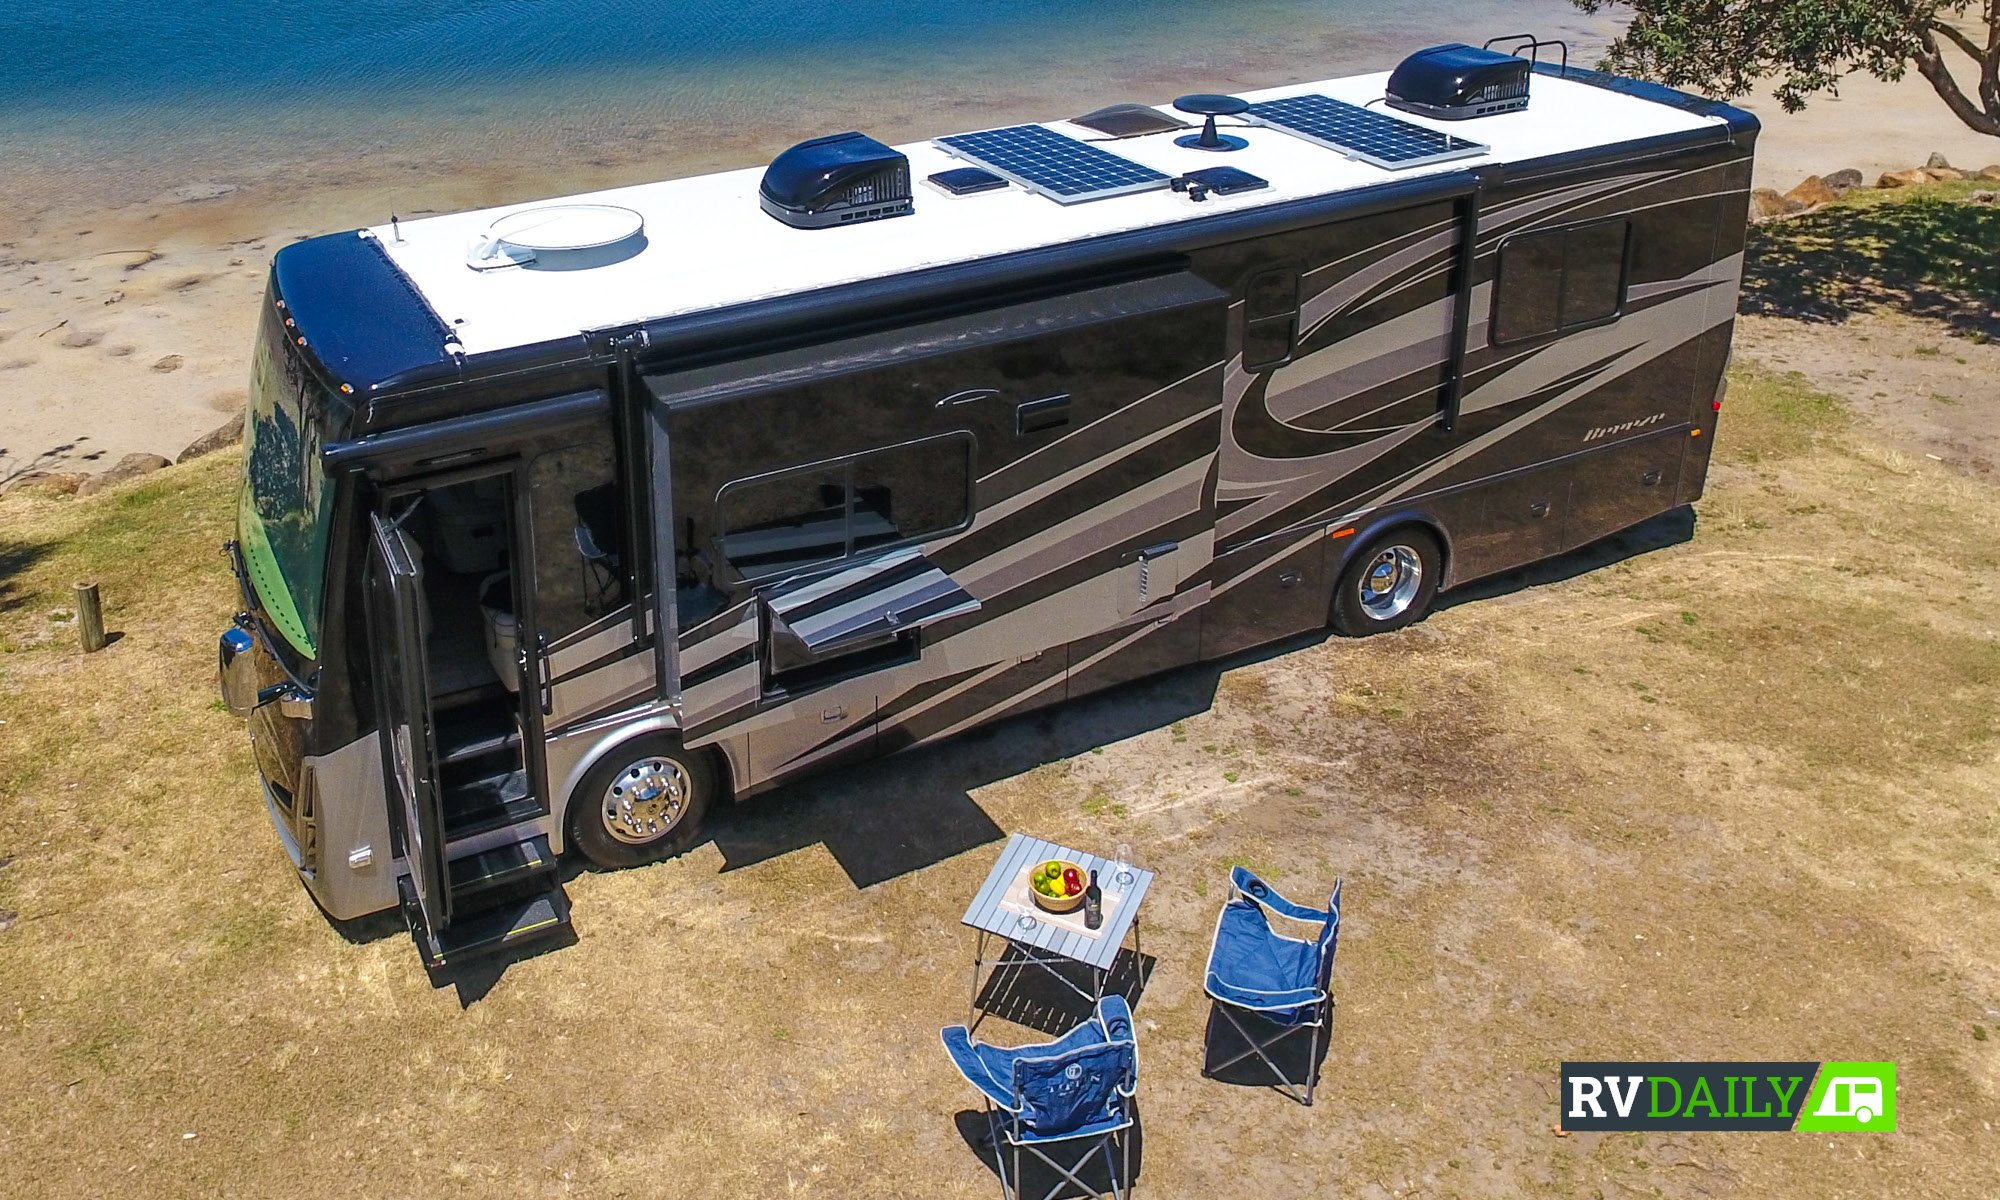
[[1093, 904]]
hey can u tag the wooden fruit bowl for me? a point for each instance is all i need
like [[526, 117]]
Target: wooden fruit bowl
[[1046, 902]]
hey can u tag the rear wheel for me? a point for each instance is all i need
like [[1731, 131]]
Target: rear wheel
[[641, 803], [1389, 584]]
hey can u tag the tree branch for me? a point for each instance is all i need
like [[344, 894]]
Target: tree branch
[[1989, 66], [1932, 68], [1958, 39]]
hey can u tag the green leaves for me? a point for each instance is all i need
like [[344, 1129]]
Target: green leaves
[[1726, 47]]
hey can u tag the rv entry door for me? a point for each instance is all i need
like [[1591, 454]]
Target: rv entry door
[[409, 747]]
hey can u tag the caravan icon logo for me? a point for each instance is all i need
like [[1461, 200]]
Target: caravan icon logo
[[1770, 1096], [1851, 1096]]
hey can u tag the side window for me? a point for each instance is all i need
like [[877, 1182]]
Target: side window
[[783, 522], [1560, 279], [828, 511], [579, 516], [1270, 320]]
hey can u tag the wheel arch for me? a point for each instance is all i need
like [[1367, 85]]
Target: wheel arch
[[717, 757], [1378, 524]]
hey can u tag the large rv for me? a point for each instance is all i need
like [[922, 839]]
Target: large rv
[[565, 522]]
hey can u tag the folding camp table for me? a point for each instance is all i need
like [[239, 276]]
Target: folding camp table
[[1048, 940]]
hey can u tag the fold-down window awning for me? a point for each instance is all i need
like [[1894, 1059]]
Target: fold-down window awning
[[866, 602]]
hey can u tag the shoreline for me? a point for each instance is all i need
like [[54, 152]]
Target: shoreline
[[126, 328]]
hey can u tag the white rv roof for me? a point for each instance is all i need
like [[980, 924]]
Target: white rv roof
[[710, 245]]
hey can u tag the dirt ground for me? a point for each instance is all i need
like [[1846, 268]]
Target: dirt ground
[[1712, 791]]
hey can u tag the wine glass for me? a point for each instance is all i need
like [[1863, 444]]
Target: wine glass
[[1121, 867]]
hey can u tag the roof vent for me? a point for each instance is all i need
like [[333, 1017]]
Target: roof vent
[[559, 237], [1456, 82], [836, 180]]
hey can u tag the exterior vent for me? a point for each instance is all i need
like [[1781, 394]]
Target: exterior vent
[[1456, 82], [559, 237], [836, 180]]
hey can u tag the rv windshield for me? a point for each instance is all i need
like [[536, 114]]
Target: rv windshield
[[286, 506]]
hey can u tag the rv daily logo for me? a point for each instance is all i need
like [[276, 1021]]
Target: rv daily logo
[[1772, 1096]]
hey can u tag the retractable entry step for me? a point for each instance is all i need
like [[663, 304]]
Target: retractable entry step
[[501, 900], [500, 867]]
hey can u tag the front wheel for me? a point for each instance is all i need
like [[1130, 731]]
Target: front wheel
[[1389, 584], [641, 803]]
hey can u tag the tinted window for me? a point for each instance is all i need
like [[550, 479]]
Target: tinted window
[[1559, 280], [1267, 344], [910, 491], [579, 517], [786, 521], [1270, 319], [1530, 303], [1272, 294], [1593, 272], [828, 511]]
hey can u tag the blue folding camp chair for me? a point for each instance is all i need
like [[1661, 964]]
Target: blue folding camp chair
[[1281, 981], [1075, 1091]]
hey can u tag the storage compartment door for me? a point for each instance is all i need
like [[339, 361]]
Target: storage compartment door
[[1618, 488]]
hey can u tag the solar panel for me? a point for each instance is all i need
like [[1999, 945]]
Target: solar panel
[[1373, 137], [1061, 168]]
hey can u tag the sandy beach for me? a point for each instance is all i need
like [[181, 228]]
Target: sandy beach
[[126, 327]]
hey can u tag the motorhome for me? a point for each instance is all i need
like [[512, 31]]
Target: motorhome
[[565, 522]]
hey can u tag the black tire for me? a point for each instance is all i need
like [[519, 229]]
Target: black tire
[[1357, 614], [642, 764]]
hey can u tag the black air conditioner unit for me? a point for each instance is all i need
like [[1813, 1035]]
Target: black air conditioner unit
[[1458, 81], [836, 180]]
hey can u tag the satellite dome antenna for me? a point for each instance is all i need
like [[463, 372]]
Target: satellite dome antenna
[[1204, 104]]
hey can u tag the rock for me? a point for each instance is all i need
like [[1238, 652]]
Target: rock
[[132, 466], [1896, 179], [1936, 162], [1941, 174], [1845, 180], [50, 483], [171, 362], [1991, 171], [1767, 205], [1812, 191], [221, 437], [1983, 196]]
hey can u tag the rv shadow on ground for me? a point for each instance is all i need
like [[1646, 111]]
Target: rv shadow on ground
[[1037, 1179], [900, 814], [1667, 529], [473, 980]]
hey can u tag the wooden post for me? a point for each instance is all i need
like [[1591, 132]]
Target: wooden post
[[89, 617]]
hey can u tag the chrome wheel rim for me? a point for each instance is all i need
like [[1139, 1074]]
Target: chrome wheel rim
[[1389, 585], [646, 800]]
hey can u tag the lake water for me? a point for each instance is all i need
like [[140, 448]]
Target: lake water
[[116, 102]]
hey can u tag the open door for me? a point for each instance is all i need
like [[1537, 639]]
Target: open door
[[409, 747]]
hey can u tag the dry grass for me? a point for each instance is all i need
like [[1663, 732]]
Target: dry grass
[[1731, 798]]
